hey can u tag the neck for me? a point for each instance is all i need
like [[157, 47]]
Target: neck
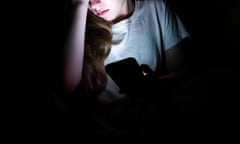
[[126, 11]]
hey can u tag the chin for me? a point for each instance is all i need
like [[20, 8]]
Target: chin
[[107, 19]]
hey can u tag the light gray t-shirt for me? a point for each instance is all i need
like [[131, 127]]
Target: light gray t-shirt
[[151, 30]]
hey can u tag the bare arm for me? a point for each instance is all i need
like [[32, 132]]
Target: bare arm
[[176, 66], [73, 62]]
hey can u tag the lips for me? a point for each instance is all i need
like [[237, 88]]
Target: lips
[[102, 12]]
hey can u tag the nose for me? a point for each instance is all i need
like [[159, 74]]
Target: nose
[[93, 4]]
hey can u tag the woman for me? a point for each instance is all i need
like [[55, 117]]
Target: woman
[[146, 30]]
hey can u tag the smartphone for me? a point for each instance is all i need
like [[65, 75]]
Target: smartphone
[[126, 73]]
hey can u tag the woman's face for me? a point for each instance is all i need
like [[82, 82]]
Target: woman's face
[[109, 10]]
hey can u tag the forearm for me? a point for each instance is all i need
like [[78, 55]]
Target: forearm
[[176, 68], [74, 50], [170, 82]]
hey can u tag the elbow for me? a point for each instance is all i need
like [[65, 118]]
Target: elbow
[[69, 86], [71, 82]]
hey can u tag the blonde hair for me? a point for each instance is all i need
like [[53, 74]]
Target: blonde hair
[[98, 41]]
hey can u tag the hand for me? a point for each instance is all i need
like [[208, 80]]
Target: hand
[[146, 85], [150, 82]]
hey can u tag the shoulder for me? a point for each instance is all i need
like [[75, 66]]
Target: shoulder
[[151, 5], [150, 2]]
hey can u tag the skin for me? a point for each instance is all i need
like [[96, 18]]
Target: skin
[[118, 10], [74, 51], [115, 11], [110, 10], [73, 63]]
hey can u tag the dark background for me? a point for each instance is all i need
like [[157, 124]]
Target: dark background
[[41, 28], [214, 27]]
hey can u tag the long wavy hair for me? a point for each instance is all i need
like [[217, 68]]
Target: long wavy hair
[[98, 41]]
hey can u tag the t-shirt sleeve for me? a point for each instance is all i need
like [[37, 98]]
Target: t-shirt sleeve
[[172, 28]]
